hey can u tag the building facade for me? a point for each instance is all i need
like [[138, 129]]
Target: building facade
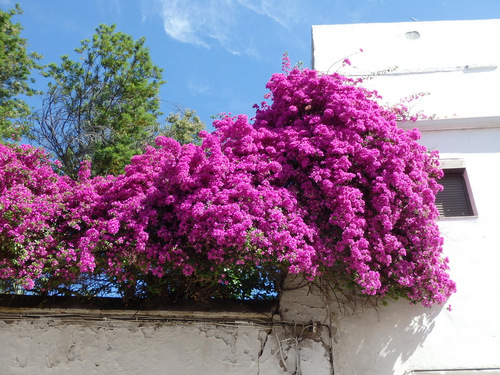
[[454, 64]]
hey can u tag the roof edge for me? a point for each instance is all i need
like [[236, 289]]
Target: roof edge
[[462, 123]]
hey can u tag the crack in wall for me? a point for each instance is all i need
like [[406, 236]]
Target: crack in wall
[[263, 342]]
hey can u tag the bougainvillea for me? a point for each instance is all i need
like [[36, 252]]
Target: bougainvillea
[[44, 218], [321, 182], [32, 200]]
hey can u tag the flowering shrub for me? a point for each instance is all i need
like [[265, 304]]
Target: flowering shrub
[[322, 182], [44, 218], [32, 198]]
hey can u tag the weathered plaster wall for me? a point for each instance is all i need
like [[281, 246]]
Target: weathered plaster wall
[[66, 341], [51, 346], [308, 332]]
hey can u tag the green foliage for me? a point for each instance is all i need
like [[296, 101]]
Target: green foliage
[[184, 127], [103, 108], [16, 65]]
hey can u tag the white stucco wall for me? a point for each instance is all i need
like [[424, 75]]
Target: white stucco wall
[[308, 333], [457, 62], [88, 341], [52, 346], [400, 338]]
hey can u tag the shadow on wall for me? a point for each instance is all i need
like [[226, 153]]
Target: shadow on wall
[[380, 340]]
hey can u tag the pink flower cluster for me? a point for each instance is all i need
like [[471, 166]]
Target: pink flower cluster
[[32, 211], [322, 181]]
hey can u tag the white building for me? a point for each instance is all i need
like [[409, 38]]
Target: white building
[[457, 63]]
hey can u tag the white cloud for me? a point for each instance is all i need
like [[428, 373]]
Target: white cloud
[[115, 8], [180, 27], [207, 23], [196, 88], [198, 22], [111, 7], [284, 12]]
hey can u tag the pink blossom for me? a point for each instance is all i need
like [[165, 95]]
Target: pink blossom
[[321, 182]]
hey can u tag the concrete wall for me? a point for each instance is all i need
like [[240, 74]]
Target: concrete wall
[[55, 346], [92, 341], [308, 333]]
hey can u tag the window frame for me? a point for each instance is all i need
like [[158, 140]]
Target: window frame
[[457, 166]]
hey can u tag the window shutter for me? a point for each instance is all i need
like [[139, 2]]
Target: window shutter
[[454, 199]]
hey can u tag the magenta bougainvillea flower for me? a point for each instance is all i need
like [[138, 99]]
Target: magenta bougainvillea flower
[[321, 181]]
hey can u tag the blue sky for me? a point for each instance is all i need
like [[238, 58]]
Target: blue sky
[[218, 55]]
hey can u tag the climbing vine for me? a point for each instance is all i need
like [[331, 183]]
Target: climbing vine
[[321, 182]]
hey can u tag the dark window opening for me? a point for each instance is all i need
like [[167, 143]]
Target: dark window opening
[[454, 200]]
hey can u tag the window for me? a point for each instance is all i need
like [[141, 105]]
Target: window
[[455, 200]]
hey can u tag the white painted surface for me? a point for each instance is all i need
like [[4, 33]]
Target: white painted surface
[[457, 62], [47, 346], [61, 341], [399, 338]]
